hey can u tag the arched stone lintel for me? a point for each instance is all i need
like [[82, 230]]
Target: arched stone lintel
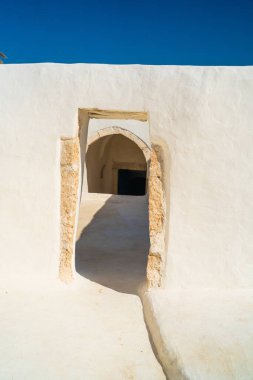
[[121, 131]]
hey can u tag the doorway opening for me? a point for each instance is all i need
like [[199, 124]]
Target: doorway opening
[[116, 165], [140, 220], [113, 231], [131, 182]]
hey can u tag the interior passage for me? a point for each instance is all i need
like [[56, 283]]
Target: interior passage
[[113, 241], [116, 165]]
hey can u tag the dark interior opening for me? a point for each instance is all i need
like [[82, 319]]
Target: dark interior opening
[[131, 182]]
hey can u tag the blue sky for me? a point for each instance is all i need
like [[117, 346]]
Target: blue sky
[[167, 32]]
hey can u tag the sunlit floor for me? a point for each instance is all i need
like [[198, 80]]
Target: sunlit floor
[[98, 331], [113, 241]]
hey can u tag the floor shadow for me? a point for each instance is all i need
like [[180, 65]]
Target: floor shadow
[[113, 242]]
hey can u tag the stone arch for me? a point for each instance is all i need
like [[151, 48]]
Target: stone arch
[[118, 130], [117, 162]]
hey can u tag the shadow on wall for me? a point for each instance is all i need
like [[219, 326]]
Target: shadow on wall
[[113, 243]]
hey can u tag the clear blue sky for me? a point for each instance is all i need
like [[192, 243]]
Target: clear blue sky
[[181, 32]]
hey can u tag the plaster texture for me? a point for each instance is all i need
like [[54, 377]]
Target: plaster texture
[[201, 118], [202, 115], [202, 335], [96, 332], [93, 334]]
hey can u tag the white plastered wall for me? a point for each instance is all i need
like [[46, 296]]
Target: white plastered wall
[[202, 115]]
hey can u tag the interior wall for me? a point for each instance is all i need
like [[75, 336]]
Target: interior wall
[[105, 156]]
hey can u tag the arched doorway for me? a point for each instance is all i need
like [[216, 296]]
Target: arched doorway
[[73, 152], [117, 164], [113, 236]]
